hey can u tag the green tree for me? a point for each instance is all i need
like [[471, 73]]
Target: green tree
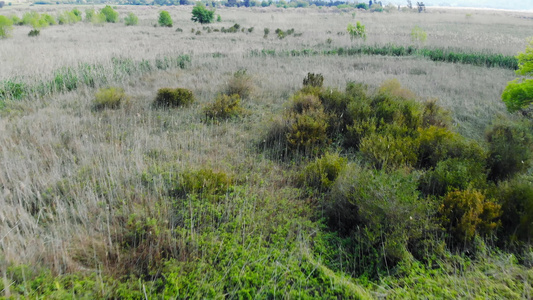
[[418, 35], [111, 16], [518, 95], [201, 14], [6, 26], [164, 19], [357, 31]]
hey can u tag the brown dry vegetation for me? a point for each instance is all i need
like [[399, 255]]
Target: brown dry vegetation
[[72, 178]]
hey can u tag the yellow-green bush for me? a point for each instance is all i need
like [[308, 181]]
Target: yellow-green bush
[[168, 97], [465, 214], [388, 151], [322, 173], [224, 107], [111, 97]]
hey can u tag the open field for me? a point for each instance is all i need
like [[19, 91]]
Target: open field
[[99, 193]]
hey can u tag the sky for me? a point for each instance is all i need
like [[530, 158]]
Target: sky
[[501, 4]]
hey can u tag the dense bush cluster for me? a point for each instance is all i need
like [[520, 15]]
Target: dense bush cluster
[[416, 185], [111, 97], [168, 97]]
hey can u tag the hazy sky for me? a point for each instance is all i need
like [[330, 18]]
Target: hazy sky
[[510, 4]]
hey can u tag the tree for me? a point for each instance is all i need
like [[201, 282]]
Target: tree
[[409, 4], [202, 15], [111, 16], [164, 19], [357, 31], [2, 3], [6, 26], [518, 95]]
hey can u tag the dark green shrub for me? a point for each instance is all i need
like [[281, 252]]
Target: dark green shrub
[[6, 26], [201, 14], [322, 173], [510, 147], [516, 199], [111, 16], [240, 84], [313, 79], [453, 174], [164, 19], [465, 214], [434, 115], [384, 215], [224, 107], [167, 97], [131, 19], [111, 98], [34, 32], [10, 89]]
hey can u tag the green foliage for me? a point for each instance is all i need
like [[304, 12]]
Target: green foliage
[[168, 97], [453, 174], [219, 18], [201, 14], [468, 213], [241, 84], [510, 148], [525, 60], [68, 17], [518, 95], [48, 19], [383, 214], [516, 199], [418, 35], [164, 19], [313, 79], [34, 32], [11, 89], [357, 31], [6, 26], [321, 174], [362, 6], [111, 16], [389, 151], [131, 19], [224, 107], [111, 97]]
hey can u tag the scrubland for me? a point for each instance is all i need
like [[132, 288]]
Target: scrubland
[[284, 191]]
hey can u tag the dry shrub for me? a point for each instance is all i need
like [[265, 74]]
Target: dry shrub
[[240, 84]]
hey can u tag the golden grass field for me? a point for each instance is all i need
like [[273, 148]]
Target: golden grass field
[[52, 141]]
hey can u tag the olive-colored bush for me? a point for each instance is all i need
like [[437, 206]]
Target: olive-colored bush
[[313, 79], [224, 107], [468, 213], [164, 19], [168, 97]]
